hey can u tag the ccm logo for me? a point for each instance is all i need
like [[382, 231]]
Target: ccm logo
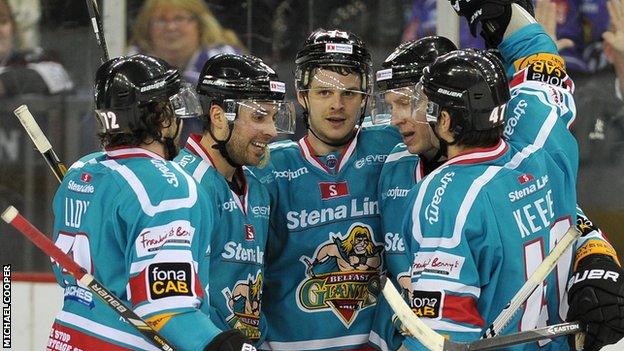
[[333, 190]]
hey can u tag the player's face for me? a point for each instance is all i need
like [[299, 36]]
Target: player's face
[[173, 30], [409, 115], [334, 102], [254, 128]]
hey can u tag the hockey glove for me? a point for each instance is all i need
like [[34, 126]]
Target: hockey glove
[[494, 16], [596, 299], [230, 340]]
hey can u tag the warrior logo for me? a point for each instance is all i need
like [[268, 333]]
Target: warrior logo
[[338, 274], [244, 304]]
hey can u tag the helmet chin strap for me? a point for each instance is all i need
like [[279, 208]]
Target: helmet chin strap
[[171, 149], [221, 145]]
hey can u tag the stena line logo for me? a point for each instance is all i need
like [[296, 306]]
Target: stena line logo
[[330, 190]]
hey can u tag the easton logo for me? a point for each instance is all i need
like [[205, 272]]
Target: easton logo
[[331, 190], [168, 279]]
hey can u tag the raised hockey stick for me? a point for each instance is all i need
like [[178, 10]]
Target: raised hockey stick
[[436, 342], [532, 283], [12, 217], [98, 28], [41, 142]]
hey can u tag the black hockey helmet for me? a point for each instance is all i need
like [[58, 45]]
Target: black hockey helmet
[[233, 76], [333, 48], [234, 81], [402, 70], [403, 67], [471, 83], [124, 86]]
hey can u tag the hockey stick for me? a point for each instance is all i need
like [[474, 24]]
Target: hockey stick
[[12, 217], [98, 28], [41, 142], [436, 342], [532, 283]]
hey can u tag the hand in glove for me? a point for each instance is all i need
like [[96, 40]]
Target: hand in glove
[[230, 340], [596, 299]]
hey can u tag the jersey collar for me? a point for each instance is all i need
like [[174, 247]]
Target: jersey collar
[[308, 153], [479, 155], [194, 145], [121, 152]]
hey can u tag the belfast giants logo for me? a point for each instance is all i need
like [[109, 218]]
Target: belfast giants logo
[[338, 272], [243, 301]]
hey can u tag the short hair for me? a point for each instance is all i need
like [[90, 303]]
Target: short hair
[[471, 137], [155, 116], [210, 30]]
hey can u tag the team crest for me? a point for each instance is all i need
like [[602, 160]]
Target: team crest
[[244, 304], [337, 274]]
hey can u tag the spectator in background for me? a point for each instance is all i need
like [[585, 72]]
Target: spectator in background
[[182, 32], [26, 71], [185, 34]]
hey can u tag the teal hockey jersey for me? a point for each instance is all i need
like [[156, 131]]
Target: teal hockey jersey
[[489, 215], [236, 267], [325, 242], [137, 223]]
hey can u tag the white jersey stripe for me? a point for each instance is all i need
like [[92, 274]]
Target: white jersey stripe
[[425, 284], [318, 344], [104, 331], [144, 200]]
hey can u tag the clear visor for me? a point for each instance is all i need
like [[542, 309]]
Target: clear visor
[[401, 103], [280, 113], [328, 86], [186, 103]]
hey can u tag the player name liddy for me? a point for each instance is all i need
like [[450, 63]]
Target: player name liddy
[[355, 208]]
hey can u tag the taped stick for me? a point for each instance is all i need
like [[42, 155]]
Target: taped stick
[[436, 342], [533, 282], [17, 221], [98, 28], [41, 142]]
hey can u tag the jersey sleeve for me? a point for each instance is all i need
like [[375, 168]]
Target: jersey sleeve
[[163, 283]]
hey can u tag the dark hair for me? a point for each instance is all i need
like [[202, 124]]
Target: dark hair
[[154, 116], [469, 137]]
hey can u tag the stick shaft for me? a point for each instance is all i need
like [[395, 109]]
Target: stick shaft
[[12, 217], [523, 337], [533, 282], [41, 142], [98, 28]]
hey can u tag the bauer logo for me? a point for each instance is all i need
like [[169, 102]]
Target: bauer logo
[[384, 74], [167, 279], [449, 93], [279, 87], [339, 48], [333, 190]]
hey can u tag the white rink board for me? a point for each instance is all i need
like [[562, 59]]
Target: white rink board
[[34, 306]]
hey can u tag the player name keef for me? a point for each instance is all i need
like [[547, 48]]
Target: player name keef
[[356, 208]]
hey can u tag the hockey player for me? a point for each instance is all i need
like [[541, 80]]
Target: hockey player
[[408, 163], [243, 102], [596, 294], [136, 221], [325, 240]]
